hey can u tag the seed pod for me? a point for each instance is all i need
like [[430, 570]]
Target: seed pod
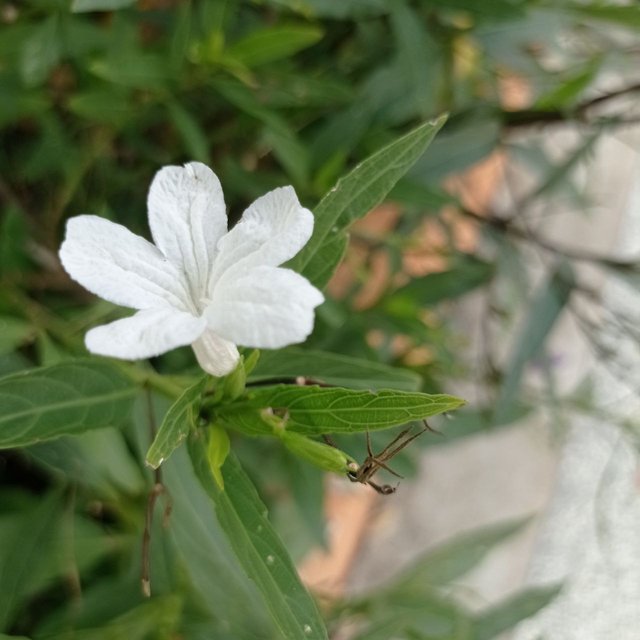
[[317, 453]]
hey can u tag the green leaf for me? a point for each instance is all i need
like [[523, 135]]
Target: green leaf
[[219, 585], [79, 6], [327, 258], [316, 410], [192, 134], [567, 92], [545, 308], [41, 52], [454, 558], [158, 618], [559, 175], [415, 45], [466, 140], [359, 192], [179, 421], [506, 615], [110, 106], [467, 274], [422, 616], [13, 332], [625, 16], [334, 369], [339, 9], [13, 225], [287, 147], [23, 554], [488, 11], [132, 69], [273, 43], [63, 399], [242, 517], [217, 451], [99, 459]]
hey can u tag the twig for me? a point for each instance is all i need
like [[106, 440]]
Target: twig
[[532, 117], [157, 490], [508, 227]]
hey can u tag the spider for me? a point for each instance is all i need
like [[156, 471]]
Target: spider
[[364, 473]]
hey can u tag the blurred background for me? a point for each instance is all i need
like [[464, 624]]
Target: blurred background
[[504, 268]]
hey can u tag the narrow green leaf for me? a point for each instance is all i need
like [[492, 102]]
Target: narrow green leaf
[[467, 139], [41, 52], [242, 516], [425, 615], [99, 459], [220, 586], [217, 451], [112, 106], [338, 9], [177, 424], [559, 175], [79, 6], [328, 257], [13, 332], [545, 308], [135, 70], [23, 554], [156, 618], [359, 192], [567, 92], [506, 615], [63, 399], [467, 274], [287, 147], [622, 15], [192, 134], [414, 45], [334, 369], [316, 410], [273, 43], [453, 559], [289, 151]]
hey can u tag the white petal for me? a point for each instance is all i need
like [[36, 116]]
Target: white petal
[[146, 334], [119, 266], [215, 355], [271, 231], [268, 308], [187, 218]]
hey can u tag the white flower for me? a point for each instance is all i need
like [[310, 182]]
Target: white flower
[[199, 284]]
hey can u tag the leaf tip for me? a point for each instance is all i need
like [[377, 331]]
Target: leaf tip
[[153, 462]]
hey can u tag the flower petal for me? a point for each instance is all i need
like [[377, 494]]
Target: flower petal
[[146, 334], [271, 231], [269, 307], [187, 218], [119, 266], [215, 355]]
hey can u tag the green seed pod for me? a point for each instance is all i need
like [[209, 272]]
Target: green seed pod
[[234, 383], [218, 449], [317, 453]]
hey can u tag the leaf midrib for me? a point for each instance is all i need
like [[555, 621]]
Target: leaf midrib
[[67, 404]]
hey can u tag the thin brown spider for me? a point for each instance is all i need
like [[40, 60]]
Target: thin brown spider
[[373, 462]]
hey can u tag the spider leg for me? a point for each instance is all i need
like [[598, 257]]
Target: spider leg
[[384, 489]]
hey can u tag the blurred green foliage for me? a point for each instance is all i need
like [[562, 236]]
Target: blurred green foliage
[[96, 95]]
